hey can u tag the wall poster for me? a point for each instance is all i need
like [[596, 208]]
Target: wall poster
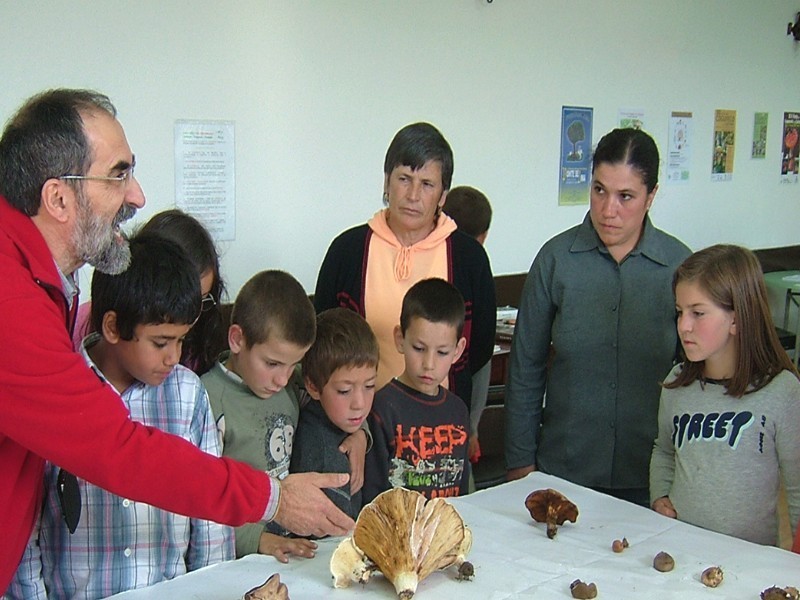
[[576, 155], [760, 135], [724, 145], [789, 148], [679, 153]]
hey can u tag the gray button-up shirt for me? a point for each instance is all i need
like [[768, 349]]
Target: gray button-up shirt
[[612, 329]]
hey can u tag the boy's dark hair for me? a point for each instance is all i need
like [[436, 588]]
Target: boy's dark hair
[[208, 337], [344, 339], [274, 303], [470, 209], [161, 285], [416, 144], [434, 300]]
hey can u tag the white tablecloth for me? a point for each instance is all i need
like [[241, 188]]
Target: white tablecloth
[[514, 559]]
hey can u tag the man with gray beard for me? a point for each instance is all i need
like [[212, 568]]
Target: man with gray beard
[[66, 184]]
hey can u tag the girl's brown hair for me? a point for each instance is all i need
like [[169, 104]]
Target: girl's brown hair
[[732, 278]]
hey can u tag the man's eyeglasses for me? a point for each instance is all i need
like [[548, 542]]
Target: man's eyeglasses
[[124, 177], [207, 303]]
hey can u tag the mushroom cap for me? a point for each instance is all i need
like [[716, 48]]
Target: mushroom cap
[[271, 589], [409, 537], [549, 505], [712, 577]]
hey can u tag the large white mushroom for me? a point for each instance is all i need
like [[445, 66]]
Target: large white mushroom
[[406, 537]]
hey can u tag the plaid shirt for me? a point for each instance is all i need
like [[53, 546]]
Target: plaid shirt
[[121, 544]]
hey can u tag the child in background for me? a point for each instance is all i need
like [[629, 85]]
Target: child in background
[[207, 338], [471, 211], [339, 373], [729, 419], [420, 429], [142, 316], [254, 393]]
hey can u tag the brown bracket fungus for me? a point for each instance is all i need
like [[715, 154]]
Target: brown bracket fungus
[[711, 577], [663, 562], [582, 590], [272, 589], [551, 507], [404, 536], [778, 593]]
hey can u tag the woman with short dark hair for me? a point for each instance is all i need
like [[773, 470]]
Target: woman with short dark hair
[[370, 267]]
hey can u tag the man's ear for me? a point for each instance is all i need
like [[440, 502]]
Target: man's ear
[[462, 343], [235, 338], [312, 390], [56, 199], [110, 331], [398, 338]]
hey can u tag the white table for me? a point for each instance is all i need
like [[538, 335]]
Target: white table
[[514, 559]]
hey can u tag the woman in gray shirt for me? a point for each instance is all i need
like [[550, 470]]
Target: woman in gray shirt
[[595, 333]]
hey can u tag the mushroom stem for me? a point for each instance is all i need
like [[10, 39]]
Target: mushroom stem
[[405, 584]]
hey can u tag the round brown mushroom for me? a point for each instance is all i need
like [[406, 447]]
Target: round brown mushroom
[[619, 545], [663, 562], [711, 577], [778, 593], [582, 590]]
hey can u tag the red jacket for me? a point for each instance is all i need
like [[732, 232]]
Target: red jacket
[[52, 407]]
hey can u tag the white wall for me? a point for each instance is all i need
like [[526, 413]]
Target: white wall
[[317, 88]]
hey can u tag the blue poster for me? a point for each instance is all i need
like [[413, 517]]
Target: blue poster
[[576, 155]]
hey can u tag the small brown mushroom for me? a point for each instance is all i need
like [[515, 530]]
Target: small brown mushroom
[[619, 545], [778, 593], [582, 590], [551, 507], [774, 593], [272, 589], [466, 571], [711, 577], [663, 562]]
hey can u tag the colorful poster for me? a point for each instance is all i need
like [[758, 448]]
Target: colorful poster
[[631, 118], [576, 155], [680, 147], [789, 146], [724, 145], [760, 135]]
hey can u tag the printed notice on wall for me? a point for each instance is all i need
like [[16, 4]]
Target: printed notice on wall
[[680, 147], [576, 155], [631, 118], [204, 174], [760, 120], [724, 145], [789, 147]]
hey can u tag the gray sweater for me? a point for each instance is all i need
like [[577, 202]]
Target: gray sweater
[[719, 458]]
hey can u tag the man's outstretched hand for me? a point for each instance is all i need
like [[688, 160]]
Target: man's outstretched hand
[[305, 509]]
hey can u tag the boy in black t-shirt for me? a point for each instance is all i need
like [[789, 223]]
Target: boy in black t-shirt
[[420, 429]]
